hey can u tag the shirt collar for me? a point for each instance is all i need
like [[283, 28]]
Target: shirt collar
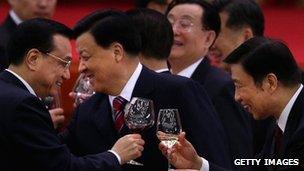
[[29, 88], [285, 113], [127, 91], [187, 72], [162, 70], [15, 18]]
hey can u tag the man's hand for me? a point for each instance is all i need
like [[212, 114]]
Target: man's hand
[[129, 147], [182, 155], [57, 117]]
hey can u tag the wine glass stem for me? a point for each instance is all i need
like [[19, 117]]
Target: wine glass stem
[[169, 165]]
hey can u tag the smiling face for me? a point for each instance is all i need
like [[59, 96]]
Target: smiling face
[[51, 72], [28, 9], [190, 39], [252, 97], [97, 63]]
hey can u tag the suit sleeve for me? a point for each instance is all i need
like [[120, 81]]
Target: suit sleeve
[[202, 125], [38, 145]]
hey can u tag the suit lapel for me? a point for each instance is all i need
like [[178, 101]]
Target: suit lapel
[[102, 118], [10, 24], [11, 79], [201, 71], [144, 84], [293, 119]]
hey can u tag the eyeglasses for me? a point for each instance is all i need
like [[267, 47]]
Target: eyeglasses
[[182, 24], [65, 63]]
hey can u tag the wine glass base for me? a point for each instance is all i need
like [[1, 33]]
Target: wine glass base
[[133, 162]]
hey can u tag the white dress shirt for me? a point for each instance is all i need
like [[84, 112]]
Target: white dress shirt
[[285, 113], [15, 18], [187, 72], [162, 70]]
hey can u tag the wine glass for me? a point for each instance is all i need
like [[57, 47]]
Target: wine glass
[[139, 115], [83, 89], [168, 127], [53, 100]]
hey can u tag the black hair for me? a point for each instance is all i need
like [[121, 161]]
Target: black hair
[[210, 18], [109, 26], [144, 3], [242, 13], [155, 31], [260, 56], [34, 33]]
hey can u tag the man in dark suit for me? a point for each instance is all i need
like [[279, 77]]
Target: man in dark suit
[[240, 21], [156, 38], [108, 45], [21, 11], [195, 25], [40, 55], [268, 84]]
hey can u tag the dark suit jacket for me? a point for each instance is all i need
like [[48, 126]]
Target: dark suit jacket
[[92, 128], [220, 88], [293, 137], [28, 139], [302, 77], [6, 30]]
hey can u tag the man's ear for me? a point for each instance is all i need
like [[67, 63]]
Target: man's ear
[[210, 38], [118, 51], [270, 83], [32, 59], [247, 33]]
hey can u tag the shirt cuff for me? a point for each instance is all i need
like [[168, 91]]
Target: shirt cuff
[[205, 165], [117, 156]]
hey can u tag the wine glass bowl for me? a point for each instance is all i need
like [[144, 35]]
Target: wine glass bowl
[[139, 114], [168, 127], [83, 89]]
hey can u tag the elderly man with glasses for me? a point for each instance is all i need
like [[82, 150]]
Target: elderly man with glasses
[[196, 25]]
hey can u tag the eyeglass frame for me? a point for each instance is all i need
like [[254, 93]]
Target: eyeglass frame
[[179, 24], [180, 27], [67, 63]]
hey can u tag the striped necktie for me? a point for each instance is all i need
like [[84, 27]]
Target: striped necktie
[[118, 112]]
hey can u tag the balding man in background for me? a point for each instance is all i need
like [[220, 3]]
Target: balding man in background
[[22, 10]]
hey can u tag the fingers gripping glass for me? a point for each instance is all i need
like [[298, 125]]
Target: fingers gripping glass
[[139, 115], [168, 127]]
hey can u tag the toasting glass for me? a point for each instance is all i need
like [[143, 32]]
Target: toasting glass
[[54, 100], [83, 89], [168, 127], [139, 115]]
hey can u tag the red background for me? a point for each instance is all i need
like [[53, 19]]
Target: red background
[[282, 22]]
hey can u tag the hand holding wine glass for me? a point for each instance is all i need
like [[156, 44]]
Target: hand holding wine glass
[[139, 115], [168, 127]]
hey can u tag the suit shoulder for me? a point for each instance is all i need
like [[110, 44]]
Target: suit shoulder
[[13, 93], [177, 82], [94, 101], [220, 76]]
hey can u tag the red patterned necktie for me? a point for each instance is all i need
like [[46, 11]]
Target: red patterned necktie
[[118, 112]]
